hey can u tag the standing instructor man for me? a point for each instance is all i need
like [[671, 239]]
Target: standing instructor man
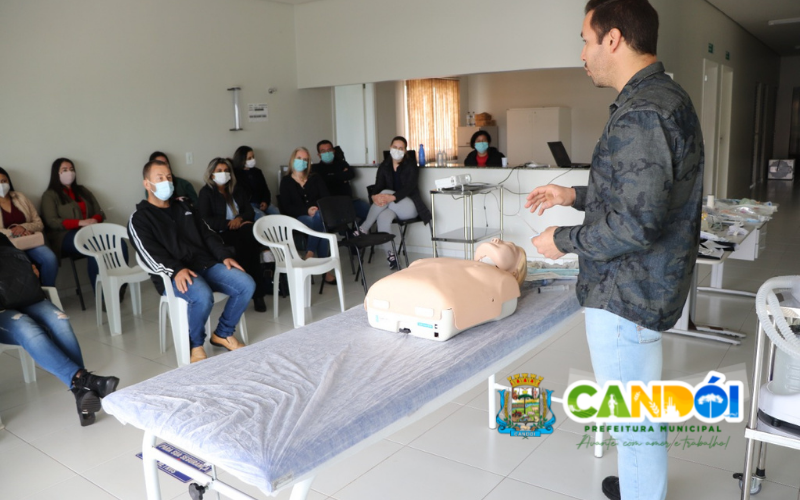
[[638, 243]]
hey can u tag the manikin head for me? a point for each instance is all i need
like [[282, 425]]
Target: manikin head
[[505, 256]]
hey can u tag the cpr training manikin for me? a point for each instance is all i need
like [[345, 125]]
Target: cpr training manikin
[[439, 298]]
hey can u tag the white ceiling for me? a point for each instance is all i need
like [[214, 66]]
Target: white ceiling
[[753, 16]]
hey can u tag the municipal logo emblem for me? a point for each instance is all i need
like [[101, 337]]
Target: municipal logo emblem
[[525, 407]]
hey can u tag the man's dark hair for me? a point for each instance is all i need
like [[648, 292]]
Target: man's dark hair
[[149, 165], [478, 134], [637, 20], [156, 154], [323, 142]]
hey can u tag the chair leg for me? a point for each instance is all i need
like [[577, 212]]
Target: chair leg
[[243, 330], [28, 366], [113, 307], [399, 266], [163, 311], [361, 270], [98, 300], [338, 272], [403, 244], [276, 284], [77, 284], [180, 332], [136, 298]]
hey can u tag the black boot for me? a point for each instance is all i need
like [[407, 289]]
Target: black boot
[[101, 386], [88, 404], [611, 488], [259, 304]]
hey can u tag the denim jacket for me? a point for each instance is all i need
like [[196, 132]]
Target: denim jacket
[[638, 243]]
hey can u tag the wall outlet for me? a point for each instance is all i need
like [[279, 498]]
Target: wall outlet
[[189, 159]]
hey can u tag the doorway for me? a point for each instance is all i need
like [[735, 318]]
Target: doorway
[[716, 125]]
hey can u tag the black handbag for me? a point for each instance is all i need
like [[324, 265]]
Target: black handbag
[[19, 286]]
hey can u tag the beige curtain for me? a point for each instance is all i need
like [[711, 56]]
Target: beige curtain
[[433, 116]]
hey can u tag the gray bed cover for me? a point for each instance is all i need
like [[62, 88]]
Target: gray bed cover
[[277, 409]]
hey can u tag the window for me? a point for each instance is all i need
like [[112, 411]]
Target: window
[[432, 116]]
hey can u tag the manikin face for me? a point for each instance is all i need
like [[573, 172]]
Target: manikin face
[[503, 254], [594, 55]]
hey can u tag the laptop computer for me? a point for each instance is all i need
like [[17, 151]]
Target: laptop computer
[[561, 156]]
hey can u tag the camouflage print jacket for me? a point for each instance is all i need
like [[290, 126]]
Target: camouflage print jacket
[[639, 239]]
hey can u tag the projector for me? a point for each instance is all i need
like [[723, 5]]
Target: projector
[[453, 181]]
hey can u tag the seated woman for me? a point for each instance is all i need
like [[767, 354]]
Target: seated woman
[[438, 298], [300, 192], [20, 218], [183, 189], [252, 179], [66, 208], [223, 204], [483, 154], [397, 194], [45, 333]]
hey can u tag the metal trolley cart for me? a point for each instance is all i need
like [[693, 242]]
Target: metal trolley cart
[[468, 234], [775, 406]]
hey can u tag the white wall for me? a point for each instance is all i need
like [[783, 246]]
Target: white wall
[[495, 93], [790, 78], [106, 82], [355, 41]]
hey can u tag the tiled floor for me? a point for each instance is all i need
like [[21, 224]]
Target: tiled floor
[[450, 454]]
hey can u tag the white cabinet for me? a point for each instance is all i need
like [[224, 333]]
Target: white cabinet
[[465, 134], [530, 129]]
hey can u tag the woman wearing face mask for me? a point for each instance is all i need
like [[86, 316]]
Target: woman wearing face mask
[[300, 192], [252, 179], [20, 218], [66, 208], [398, 194], [224, 205], [483, 155]]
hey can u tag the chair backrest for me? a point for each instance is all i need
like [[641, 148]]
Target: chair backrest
[[275, 232], [104, 243], [338, 213]]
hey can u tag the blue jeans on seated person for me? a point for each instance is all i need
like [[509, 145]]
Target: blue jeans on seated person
[[46, 261], [621, 350], [319, 246], [44, 331], [68, 249], [239, 288], [271, 210]]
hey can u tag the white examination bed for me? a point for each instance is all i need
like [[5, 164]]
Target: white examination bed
[[276, 412]]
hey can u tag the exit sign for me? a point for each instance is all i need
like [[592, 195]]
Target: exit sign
[[710, 48]]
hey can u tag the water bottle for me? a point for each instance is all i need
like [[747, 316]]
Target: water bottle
[[440, 158], [421, 155]]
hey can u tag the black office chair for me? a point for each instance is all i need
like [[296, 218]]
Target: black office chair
[[339, 216]]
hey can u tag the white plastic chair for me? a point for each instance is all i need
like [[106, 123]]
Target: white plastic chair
[[275, 232], [104, 243], [177, 310]]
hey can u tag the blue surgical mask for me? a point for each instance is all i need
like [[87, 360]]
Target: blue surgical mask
[[163, 190], [481, 147], [300, 165], [327, 156]]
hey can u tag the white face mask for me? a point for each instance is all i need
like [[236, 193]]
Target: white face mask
[[222, 178], [4, 189], [250, 163], [397, 154], [67, 177]]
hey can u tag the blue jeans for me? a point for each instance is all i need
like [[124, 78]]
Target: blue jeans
[[271, 210], [44, 331], [68, 248], [319, 246], [46, 261], [623, 351], [239, 288]]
